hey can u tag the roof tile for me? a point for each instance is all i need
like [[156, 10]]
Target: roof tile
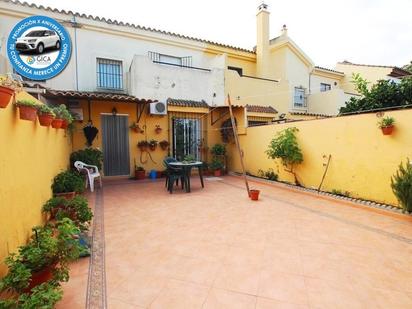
[[187, 103], [261, 109]]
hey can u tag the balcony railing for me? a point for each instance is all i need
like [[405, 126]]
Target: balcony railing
[[182, 66]]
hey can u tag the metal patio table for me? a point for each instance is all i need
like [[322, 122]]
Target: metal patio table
[[187, 167]]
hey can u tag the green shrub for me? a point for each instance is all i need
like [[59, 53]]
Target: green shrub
[[43, 109], [269, 174], [68, 181], [285, 147], [189, 158], [401, 184], [90, 156], [27, 102], [216, 165], [218, 150], [386, 122], [44, 296]]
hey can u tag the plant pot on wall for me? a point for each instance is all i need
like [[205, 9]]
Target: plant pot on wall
[[5, 96], [57, 123], [45, 120], [387, 130]]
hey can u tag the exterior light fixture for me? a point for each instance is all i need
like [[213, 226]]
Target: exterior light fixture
[[114, 111]]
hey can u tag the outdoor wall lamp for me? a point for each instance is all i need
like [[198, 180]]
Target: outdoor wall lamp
[[114, 111]]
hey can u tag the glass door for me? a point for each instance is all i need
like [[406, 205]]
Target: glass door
[[187, 138]]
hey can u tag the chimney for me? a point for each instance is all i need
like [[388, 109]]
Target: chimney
[[262, 44]]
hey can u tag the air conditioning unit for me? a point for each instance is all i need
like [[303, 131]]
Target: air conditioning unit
[[158, 108]]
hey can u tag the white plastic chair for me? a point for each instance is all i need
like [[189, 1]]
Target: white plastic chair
[[91, 172]]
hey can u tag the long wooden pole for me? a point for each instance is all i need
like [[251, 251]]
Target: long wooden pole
[[232, 119]]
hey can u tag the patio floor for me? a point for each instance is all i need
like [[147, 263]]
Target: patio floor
[[214, 248]]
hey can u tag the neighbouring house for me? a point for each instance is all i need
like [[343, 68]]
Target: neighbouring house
[[122, 74], [372, 73]]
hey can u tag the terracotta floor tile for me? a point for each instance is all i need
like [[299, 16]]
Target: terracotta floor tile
[[283, 287], [179, 294], [266, 303], [291, 250], [238, 278], [223, 299]]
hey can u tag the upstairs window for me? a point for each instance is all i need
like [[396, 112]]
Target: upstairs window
[[324, 87], [109, 74], [238, 70], [171, 60], [299, 100]]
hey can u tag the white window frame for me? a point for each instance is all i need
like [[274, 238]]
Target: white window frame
[[299, 98], [325, 87]]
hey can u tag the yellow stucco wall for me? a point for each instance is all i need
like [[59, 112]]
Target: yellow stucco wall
[[363, 159], [30, 156], [212, 134]]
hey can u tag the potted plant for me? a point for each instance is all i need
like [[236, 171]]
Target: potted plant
[[67, 184], [153, 144], [139, 173], [135, 127], [45, 257], [66, 116], [158, 129], [216, 166], [218, 150], [387, 125], [92, 156], [27, 109], [76, 209], [164, 144], [45, 115], [57, 122], [45, 295], [254, 194], [143, 145], [8, 87]]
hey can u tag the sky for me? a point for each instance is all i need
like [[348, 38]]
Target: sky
[[328, 31]]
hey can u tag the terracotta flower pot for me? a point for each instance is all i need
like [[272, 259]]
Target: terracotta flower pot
[[139, 175], [45, 120], [66, 195], [57, 123], [217, 173], [387, 130], [152, 147], [40, 277], [254, 194], [28, 113], [158, 130], [5, 96], [65, 124]]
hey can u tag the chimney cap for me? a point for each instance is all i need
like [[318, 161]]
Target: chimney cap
[[263, 6]]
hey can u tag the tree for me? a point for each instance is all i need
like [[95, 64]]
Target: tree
[[408, 67], [285, 147], [384, 93]]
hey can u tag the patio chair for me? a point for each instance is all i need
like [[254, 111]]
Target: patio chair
[[91, 172], [173, 174]]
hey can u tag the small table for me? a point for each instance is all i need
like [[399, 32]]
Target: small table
[[187, 168]]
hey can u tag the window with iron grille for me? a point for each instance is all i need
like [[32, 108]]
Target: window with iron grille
[[299, 98], [324, 87], [109, 74]]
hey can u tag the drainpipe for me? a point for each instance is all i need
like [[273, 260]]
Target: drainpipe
[[310, 75]]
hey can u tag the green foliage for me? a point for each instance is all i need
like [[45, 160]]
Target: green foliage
[[26, 102], [361, 84], [216, 165], [285, 147], [386, 122], [68, 181], [62, 112], [44, 296], [408, 67], [44, 109], [90, 156], [341, 193], [189, 158], [401, 184], [384, 94], [269, 174], [45, 249], [76, 209], [218, 150]]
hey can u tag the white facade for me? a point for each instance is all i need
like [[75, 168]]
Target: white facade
[[93, 39]]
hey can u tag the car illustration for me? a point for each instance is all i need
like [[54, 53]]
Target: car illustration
[[38, 40]]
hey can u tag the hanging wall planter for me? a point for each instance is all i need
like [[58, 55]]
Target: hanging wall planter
[[136, 128], [158, 129], [57, 123], [45, 115], [90, 132], [153, 144], [5, 96], [387, 125], [143, 145], [164, 144], [27, 109]]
